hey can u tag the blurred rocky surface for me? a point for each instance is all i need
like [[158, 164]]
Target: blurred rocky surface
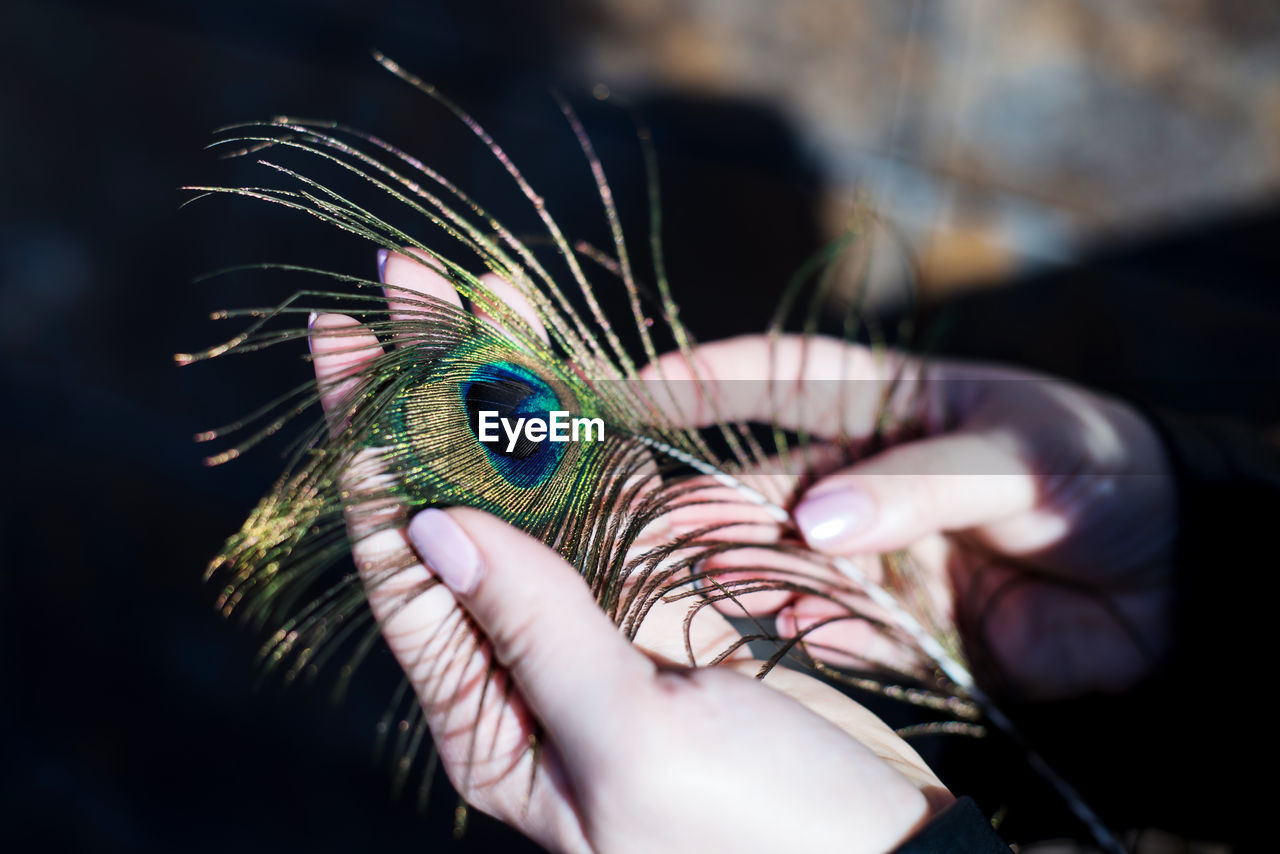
[[999, 133]]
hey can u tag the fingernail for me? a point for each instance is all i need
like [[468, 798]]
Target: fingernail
[[383, 254], [311, 322], [832, 516], [446, 549]]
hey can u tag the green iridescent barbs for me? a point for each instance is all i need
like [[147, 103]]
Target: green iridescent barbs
[[432, 435]]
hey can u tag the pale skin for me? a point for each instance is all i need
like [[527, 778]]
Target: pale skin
[[641, 752], [1043, 514]]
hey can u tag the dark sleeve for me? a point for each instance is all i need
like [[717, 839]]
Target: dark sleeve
[[1183, 751], [1228, 481], [960, 828]]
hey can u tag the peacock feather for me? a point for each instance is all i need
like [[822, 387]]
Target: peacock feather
[[404, 432]]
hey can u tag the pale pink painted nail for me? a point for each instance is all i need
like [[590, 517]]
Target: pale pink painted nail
[[383, 254], [832, 516], [446, 549], [311, 322]]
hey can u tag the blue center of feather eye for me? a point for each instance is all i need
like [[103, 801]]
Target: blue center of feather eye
[[513, 392]]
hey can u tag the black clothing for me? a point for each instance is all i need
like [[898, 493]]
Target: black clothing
[[961, 827], [1179, 752]]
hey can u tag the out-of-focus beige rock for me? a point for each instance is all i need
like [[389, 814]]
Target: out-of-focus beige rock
[[998, 133]]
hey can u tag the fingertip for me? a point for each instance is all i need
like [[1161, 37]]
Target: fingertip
[[832, 520], [504, 292], [759, 604], [445, 547], [341, 347], [519, 565], [331, 334], [843, 640], [407, 275], [751, 582]]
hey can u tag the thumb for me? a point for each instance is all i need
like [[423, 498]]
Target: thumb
[[947, 483], [571, 664]]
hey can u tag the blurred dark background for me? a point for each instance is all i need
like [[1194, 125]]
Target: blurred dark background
[[129, 716]]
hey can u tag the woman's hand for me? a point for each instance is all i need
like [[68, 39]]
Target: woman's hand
[[636, 753], [1042, 513], [642, 755]]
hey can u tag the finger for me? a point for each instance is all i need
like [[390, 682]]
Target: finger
[[714, 516], [825, 386], [859, 643], [836, 637], [753, 593], [573, 667], [500, 292], [481, 728], [406, 279], [678, 627], [759, 580], [341, 349], [419, 619], [678, 630], [401, 596], [1051, 641], [948, 483], [720, 512]]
